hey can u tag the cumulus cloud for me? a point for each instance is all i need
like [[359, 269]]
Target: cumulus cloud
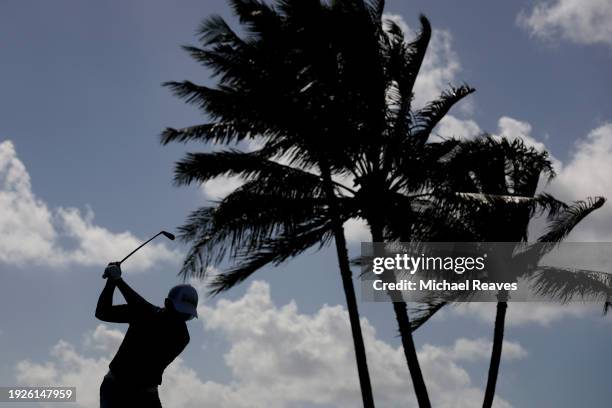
[[357, 230], [515, 129], [31, 233], [452, 127], [579, 21], [587, 173], [279, 357], [104, 338], [219, 187], [480, 349]]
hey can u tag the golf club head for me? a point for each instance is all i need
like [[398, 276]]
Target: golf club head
[[168, 235]]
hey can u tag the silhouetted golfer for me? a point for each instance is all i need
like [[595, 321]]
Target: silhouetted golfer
[[154, 338]]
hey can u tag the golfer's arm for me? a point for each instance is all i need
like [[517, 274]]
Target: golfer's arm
[[105, 301], [132, 298]]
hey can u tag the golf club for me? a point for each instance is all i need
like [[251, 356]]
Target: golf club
[[164, 233]]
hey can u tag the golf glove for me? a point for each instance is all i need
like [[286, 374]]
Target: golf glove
[[112, 271]]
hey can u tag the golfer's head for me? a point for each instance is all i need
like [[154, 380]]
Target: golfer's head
[[183, 300]]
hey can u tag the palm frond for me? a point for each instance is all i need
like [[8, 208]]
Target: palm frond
[[260, 18], [202, 167], [428, 117], [419, 167], [565, 284], [379, 7], [472, 203], [273, 252], [415, 53], [215, 30], [243, 232], [218, 132], [226, 62], [260, 210], [420, 313], [223, 102], [560, 226]]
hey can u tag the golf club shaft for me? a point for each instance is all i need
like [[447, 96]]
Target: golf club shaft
[[141, 245]]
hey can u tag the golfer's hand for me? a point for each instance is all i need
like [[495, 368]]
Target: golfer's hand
[[112, 271]]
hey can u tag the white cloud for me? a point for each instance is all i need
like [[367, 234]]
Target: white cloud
[[26, 230], [34, 373], [480, 349], [31, 233], [280, 358], [452, 127], [104, 338], [219, 187], [579, 21], [439, 68], [587, 173], [67, 368], [514, 129], [357, 230]]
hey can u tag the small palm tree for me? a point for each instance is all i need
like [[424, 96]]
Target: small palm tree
[[499, 181], [559, 227]]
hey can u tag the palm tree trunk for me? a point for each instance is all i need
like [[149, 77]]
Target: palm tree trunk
[[403, 322], [496, 353], [351, 304], [349, 292]]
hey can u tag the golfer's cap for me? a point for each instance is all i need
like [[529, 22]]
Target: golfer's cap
[[184, 298]]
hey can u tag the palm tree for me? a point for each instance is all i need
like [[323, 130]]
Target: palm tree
[[498, 180], [376, 138], [579, 210], [258, 97]]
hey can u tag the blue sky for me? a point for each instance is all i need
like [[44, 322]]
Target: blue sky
[[83, 179]]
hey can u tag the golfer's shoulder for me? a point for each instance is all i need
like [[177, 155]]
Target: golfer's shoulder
[[144, 313], [153, 311]]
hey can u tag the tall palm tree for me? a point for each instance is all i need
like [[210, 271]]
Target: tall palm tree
[[337, 113], [257, 96], [498, 180]]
